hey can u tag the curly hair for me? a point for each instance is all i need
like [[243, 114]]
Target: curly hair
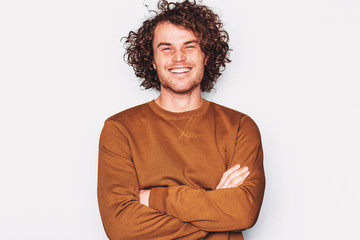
[[201, 20]]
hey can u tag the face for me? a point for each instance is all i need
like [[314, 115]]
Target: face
[[178, 59]]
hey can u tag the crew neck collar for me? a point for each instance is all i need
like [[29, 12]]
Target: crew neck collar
[[179, 115]]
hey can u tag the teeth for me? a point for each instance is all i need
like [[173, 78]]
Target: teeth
[[179, 70]]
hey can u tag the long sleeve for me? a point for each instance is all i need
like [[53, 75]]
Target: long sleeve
[[232, 209], [118, 195]]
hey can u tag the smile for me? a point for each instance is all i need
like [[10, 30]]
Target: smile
[[179, 70]]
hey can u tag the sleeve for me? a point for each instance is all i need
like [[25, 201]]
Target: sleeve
[[232, 209], [123, 216]]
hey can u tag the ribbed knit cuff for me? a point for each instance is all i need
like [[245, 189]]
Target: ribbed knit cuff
[[157, 198]]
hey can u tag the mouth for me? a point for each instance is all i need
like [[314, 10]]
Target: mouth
[[180, 70]]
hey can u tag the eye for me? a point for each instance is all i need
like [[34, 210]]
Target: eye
[[166, 49], [190, 46]]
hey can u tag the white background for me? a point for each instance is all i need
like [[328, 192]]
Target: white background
[[295, 71]]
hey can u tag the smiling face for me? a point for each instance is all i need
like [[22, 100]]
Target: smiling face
[[178, 59]]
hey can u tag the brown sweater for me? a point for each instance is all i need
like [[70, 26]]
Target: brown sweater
[[181, 157]]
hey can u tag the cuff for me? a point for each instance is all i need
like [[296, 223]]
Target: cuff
[[157, 198]]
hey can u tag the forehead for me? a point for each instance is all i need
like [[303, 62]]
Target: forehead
[[170, 33]]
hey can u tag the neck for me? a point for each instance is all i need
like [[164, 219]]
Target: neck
[[179, 102]]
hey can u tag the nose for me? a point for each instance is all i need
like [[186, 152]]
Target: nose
[[179, 56]]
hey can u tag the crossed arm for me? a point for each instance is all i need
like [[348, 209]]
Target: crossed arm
[[233, 177], [178, 211]]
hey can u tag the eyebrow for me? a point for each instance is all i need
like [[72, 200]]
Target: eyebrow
[[163, 44], [169, 44], [191, 41]]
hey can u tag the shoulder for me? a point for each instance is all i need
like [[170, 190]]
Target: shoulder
[[122, 123], [131, 118], [227, 112], [131, 114], [233, 116]]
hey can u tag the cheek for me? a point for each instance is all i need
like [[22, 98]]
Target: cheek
[[160, 62]]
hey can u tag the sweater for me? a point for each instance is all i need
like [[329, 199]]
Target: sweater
[[181, 157]]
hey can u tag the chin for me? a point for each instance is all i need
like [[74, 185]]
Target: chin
[[183, 89]]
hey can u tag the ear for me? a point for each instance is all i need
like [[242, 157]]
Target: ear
[[206, 59], [154, 65]]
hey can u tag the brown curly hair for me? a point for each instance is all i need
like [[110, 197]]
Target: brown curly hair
[[201, 20]]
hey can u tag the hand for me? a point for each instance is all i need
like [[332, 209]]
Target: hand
[[144, 197], [233, 177]]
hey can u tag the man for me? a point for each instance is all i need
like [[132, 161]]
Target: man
[[179, 167]]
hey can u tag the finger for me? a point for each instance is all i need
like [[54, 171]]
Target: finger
[[238, 180], [238, 172], [226, 174], [233, 175]]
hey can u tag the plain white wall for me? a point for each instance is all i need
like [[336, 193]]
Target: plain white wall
[[295, 71]]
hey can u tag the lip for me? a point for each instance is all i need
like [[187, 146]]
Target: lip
[[179, 70]]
